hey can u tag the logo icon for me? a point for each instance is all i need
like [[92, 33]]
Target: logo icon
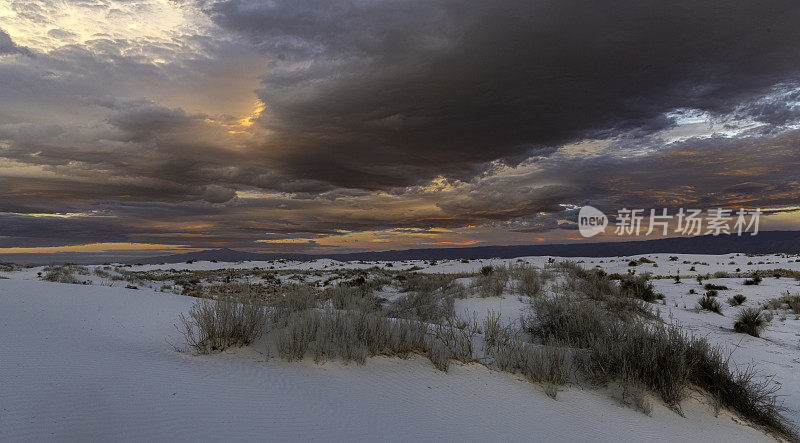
[[591, 221]]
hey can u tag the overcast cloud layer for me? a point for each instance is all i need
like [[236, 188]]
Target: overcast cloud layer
[[372, 124]]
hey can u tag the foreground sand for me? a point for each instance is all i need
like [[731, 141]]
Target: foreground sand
[[96, 363]]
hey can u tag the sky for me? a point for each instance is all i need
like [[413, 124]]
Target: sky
[[145, 127]]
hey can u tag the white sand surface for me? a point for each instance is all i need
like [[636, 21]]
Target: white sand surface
[[89, 362]]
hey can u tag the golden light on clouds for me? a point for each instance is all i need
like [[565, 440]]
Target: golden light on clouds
[[154, 24], [245, 124]]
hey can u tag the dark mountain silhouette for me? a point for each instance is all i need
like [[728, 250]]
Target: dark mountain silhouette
[[763, 243]]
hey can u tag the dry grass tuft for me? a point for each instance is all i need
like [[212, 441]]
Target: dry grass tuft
[[660, 358], [214, 325]]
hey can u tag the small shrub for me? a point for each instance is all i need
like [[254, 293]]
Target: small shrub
[[737, 300], [490, 285], [753, 281], [633, 394], [713, 287], [710, 304], [214, 325], [750, 321], [426, 303], [64, 274], [638, 286], [530, 282], [353, 297], [792, 302]]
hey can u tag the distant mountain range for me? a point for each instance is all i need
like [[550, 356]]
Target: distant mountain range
[[764, 243]]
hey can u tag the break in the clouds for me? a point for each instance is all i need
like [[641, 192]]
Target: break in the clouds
[[326, 125]]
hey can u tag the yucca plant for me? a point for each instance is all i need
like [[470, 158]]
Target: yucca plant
[[737, 300], [710, 304], [750, 321]]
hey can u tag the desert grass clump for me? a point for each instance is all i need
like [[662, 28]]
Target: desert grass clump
[[753, 398], [594, 283], [359, 298], [214, 325], [597, 285], [428, 304], [64, 274], [660, 358], [640, 287], [491, 281], [633, 394], [456, 337], [756, 280], [794, 304], [292, 299], [9, 267], [102, 273], [530, 281], [737, 300], [787, 301], [713, 287], [354, 336], [617, 349], [750, 321], [434, 283], [550, 364], [709, 303], [495, 334]]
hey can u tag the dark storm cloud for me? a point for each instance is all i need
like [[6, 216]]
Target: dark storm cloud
[[379, 94]]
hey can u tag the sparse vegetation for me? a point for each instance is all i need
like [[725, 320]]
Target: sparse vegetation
[[597, 329], [661, 358], [65, 274]]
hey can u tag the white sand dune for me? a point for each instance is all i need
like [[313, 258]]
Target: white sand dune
[[82, 363]]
